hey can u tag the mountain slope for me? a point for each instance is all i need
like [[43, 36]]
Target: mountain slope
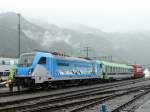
[[124, 47]]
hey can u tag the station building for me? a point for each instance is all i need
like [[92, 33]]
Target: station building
[[5, 65]]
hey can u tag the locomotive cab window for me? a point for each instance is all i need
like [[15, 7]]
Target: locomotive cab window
[[42, 60]]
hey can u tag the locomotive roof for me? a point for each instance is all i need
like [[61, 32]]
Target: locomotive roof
[[116, 64], [62, 57], [67, 57], [73, 58]]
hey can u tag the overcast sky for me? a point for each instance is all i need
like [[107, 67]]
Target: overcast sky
[[107, 15]]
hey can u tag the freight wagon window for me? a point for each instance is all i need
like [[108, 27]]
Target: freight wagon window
[[42, 60]]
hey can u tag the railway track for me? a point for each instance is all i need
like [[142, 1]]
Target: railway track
[[5, 94], [80, 104], [131, 101], [54, 100], [26, 91]]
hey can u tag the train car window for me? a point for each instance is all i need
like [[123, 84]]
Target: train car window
[[121, 70], [42, 60], [117, 69], [113, 69], [128, 70]]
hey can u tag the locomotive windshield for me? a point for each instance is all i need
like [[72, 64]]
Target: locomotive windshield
[[26, 60]]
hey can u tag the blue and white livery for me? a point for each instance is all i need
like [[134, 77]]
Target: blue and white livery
[[42, 67]]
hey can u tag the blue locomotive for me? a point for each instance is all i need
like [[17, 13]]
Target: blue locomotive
[[47, 69]]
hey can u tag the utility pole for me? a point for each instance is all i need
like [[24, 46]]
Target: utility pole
[[87, 49], [18, 34]]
